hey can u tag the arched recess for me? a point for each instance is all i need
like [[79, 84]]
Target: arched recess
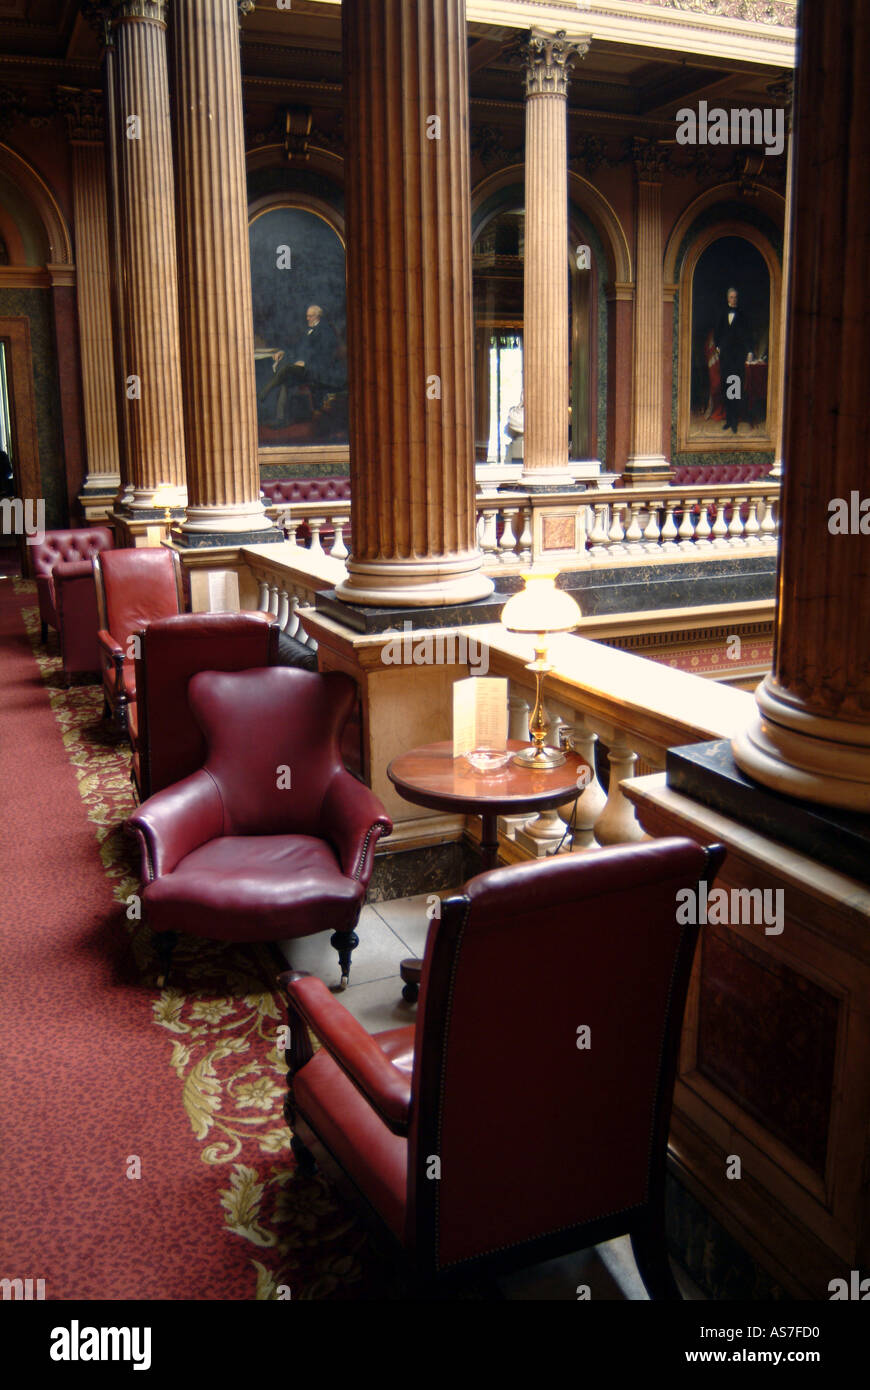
[[319, 161], [580, 192], [592, 222], [36, 190], [689, 440], [766, 200]]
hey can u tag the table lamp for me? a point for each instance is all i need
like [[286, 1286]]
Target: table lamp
[[540, 608]]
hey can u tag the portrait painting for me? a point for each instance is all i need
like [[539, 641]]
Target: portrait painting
[[300, 328], [727, 349]]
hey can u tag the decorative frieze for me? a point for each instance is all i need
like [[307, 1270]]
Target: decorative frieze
[[82, 109]]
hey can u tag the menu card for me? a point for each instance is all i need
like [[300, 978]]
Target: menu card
[[480, 718]]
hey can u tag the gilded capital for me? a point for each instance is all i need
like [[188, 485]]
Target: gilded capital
[[82, 109], [155, 10], [547, 59]]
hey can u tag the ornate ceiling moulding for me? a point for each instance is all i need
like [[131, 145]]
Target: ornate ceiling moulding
[[778, 12], [82, 109], [547, 59], [650, 160], [294, 128]]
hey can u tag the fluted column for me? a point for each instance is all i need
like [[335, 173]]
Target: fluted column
[[147, 207], [546, 382], [410, 358], [83, 111], [646, 429], [217, 328], [811, 737]]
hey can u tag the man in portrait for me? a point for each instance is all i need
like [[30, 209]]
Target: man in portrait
[[314, 361], [731, 336]]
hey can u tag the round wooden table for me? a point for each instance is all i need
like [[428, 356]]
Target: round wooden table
[[430, 776]]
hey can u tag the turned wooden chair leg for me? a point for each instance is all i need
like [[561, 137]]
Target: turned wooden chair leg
[[344, 943]]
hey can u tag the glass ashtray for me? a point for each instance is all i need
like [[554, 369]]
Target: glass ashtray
[[489, 759]]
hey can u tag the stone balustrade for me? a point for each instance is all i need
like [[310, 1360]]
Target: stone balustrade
[[287, 578], [637, 708]]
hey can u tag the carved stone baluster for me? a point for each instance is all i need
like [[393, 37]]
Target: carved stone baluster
[[751, 527], [768, 522], [292, 625], [617, 823], [652, 530], [339, 550], [735, 530], [283, 609], [519, 712], [582, 814], [720, 526], [273, 598], [702, 525], [317, 524], [687, 525], [525, 541], [616, 533], [634, 535], [508, 544], [669, 529], [488, 535], [263, 601], [599, 540]]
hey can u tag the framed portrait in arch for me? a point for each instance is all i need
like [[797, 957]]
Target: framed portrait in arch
[[300, 331], [728, 394]]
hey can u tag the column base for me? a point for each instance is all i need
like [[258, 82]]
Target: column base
[[161, 498], [225, 518], [808, 756], [415, 583], [647, 468], [546, 480], [101, 484]]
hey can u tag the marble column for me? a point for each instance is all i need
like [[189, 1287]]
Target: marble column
[[217, 328], [647, 457], [783, 91], [811, 736], [147, 206], [409, 330], [546, 380], [116, 259], [83, 111]]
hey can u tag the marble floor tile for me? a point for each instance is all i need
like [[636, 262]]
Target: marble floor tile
[[407, 918]]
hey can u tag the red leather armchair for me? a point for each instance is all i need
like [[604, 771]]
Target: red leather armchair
[[272, 838], [134, 588], [62, 563], [494, 1134], [167, 741]]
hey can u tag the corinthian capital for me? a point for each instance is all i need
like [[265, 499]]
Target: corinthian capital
[[139, 9], [547, 58], [82, 109]]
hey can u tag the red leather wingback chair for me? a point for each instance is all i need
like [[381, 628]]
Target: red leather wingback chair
[[62, 563], [547, 1139], [272, 838], [168, 743], [134, 588]]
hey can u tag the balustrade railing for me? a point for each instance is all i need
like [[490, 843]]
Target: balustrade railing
[[288, 577], [637, 708]]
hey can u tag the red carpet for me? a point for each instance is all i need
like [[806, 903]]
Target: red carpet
[[101, 1068]]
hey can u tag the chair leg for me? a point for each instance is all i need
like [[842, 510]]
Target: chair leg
[[304, 1157], [650, 1250], [344, 943], [166, 942], [43, 633]]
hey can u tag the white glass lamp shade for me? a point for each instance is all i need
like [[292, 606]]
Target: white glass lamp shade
[[540, 606]]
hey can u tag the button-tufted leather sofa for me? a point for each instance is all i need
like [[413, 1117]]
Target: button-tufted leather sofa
[[719, 474], [63, 565], [279, 492]]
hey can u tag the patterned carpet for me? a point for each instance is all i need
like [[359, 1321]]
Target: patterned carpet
[[217, 1029]]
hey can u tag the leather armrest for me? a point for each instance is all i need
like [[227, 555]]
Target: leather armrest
[[356, 1052], [175, 821], [353, 818], [111, 648]]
